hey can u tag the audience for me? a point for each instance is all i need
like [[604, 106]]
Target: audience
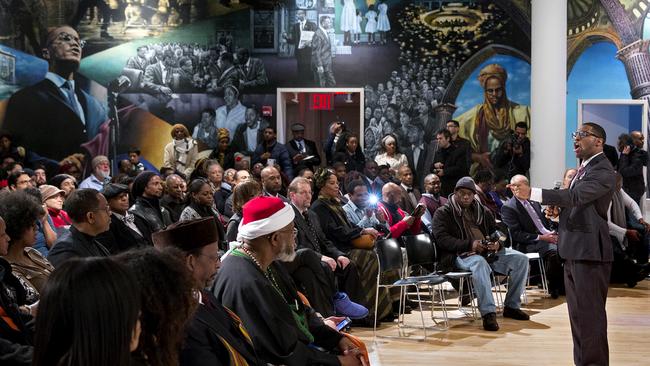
[[53, 199], [256, 287], [181, 153], [90, 215], [353, 241], [531, 232], [78, 324], [65, 182], [163, 318], [173, 200], [243, 193], [20, 212], [147, 190], [126, 230], [100, 176], [461, 228], [16, 325]]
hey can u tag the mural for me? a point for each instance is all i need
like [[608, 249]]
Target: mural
[[164, 62]]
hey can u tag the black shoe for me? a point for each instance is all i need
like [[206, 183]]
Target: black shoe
[[407, 308], [516, 314], [106, 36], [465, 300], [555, 293], [490, 322]]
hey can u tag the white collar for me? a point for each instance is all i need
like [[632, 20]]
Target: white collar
[[585, 162]]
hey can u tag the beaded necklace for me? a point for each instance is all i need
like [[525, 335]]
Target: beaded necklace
[[299, 318]]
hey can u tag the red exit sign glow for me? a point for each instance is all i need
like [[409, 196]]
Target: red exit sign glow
[[322, 101]]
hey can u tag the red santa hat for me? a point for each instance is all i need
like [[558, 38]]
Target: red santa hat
[[263, 216]]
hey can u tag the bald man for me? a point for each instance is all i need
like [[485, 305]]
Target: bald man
[[272, 183], [531, 232], [399, 221], [173, 199]]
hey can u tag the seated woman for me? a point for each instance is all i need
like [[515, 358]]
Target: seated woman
[[390, 154], [224, 152], [242, 193], [164, 318], [21, 212], [53, 199], [15, 334], [181, 153], [98, 291], [339, 231], [201, 204]]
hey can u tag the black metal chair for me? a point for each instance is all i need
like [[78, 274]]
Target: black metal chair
[[421, 254], [389, 256]]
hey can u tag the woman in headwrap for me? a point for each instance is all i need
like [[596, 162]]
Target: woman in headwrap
[[224, 153], [181, 153], [339, 231], [488, 124]]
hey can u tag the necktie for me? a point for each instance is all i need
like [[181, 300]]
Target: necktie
[[578, 175], [533, 216], [72, 99], [128, 219], [301, 145], [311, 230]]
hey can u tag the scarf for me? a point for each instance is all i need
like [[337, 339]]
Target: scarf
[[335, 206], [181, 149], [476, 205]]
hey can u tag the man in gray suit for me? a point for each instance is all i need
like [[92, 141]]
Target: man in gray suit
[[585, 244], [321, 54]]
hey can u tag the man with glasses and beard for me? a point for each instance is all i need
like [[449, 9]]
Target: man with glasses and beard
[[283, 330], [66, 116]]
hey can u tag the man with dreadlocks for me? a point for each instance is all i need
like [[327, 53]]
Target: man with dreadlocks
[[460, 226], [488, 124]]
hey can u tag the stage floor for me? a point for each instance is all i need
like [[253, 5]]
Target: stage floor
[[544, 340]]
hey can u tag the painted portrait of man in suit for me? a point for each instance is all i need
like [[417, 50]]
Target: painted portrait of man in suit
[[66, 116]]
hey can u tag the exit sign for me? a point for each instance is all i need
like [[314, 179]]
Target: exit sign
[[321, 101]]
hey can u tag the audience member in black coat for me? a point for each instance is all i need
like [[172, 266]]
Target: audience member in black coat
[[299, 149], [90, 215], [147, 190], [173, 200], [126, 229], [630, 166], [352, 156], [450, 164]]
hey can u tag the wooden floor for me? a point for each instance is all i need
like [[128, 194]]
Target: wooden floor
[[544, 340]]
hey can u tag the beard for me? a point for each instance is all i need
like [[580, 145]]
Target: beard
[[288, 254]]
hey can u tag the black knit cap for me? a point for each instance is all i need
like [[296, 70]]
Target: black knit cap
[[188, 235], [140, 183]]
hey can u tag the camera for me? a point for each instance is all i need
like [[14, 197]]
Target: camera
[[491, 255]]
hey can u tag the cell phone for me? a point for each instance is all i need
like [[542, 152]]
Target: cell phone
[[419, 210], [270, 162], [344, 323]]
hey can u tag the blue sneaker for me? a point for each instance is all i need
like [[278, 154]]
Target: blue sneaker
[[345, 307]]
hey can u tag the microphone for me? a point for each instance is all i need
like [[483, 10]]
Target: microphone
[[119, 85]]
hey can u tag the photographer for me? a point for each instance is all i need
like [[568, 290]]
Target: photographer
[[513, 155], [461, 228], [630, 165]]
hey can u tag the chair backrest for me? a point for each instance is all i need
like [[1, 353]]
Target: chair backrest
[[389, 254], [419, 249]]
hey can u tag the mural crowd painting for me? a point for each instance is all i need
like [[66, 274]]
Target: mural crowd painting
[[420, 63]]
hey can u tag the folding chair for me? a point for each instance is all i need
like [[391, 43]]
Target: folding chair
[[420, 252], [389, 256]]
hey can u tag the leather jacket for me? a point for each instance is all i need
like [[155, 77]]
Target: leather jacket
[[149, 209]]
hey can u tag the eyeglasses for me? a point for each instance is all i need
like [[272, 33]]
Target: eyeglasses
[[294, 232], [106, 209], [583, 134], [68, 38], [213, 258]]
